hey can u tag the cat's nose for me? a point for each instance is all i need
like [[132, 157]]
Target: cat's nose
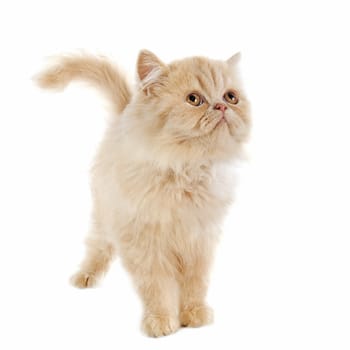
[[221, 107]]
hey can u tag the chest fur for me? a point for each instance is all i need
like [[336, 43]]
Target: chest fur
[[195, 194]]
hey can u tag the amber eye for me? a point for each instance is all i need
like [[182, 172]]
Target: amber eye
[[231, 97], [194, 99]]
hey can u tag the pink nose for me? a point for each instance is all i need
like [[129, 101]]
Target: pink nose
[[221, 107]]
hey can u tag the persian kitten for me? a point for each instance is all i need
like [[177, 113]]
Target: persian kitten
[[159, 181]]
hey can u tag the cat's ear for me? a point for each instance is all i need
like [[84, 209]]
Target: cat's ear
[[233, 61], [149, 69]]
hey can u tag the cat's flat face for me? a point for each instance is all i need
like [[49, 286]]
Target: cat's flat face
[[197, 104]]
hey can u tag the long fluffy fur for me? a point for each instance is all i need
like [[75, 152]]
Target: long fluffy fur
[[96, 70], [160, 183]]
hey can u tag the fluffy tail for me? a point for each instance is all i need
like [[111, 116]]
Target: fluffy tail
[[96, 70]]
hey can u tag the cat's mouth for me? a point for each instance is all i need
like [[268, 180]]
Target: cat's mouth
[[222, 120], [225, 122]]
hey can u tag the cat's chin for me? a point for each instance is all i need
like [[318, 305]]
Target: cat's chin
[[219, 146]]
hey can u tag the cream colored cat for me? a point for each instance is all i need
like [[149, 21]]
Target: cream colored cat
[[159, 181]]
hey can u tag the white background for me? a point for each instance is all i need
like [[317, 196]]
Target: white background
[[281, 277]]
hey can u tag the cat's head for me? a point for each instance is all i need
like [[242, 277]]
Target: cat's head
[[191, 109]]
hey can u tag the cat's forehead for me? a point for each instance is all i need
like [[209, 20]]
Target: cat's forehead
[[203, 75]]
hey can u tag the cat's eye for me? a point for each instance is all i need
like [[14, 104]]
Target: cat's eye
[[231, 97], [194, 99]]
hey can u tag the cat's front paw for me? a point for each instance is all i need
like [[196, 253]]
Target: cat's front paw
[[196, 315], [159, 325], [83, 279]]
